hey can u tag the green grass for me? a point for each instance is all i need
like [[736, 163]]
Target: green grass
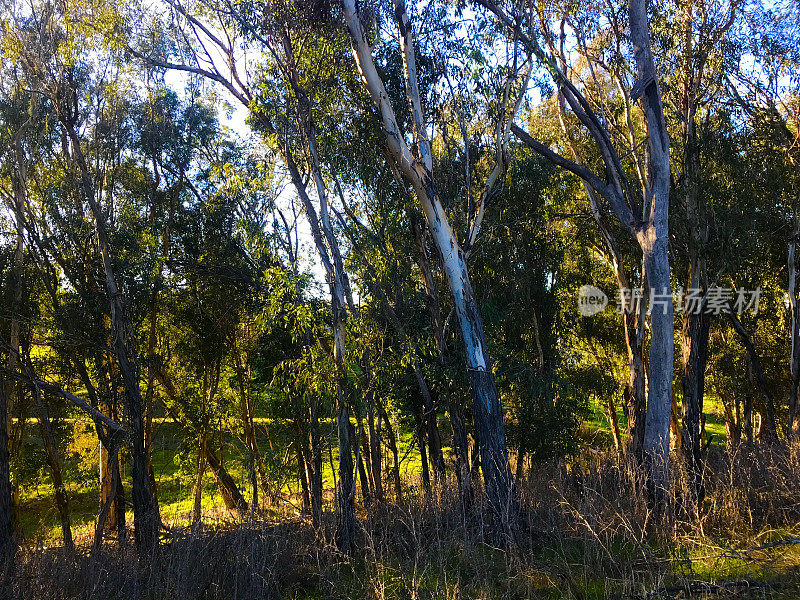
[[174, 464], [173, 459]]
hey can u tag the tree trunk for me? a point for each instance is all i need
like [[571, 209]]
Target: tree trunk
[[696, 321], [695, 357], [359, 460], [635, 394], [423, 455], [455, 411], [611, 411], [255, 467], [793, 425], [488, 411], [302, 473], [116, 495], [346, 521], [328, 250], [112, 494], [144, 511], [51, 455], [366, 455], [659, 396], [197, 506], [108, 490], [7, 542], [632, 316], [463, 467], [234, 501], [654, 241], [316, 465], [375, 448], [398, 487]]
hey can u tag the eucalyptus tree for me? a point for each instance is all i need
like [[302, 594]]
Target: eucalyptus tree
[[40, 202], [695, 43], [595, 61], [643, 214], [764, 85], [413, 162], [53, 65], [282, 106]]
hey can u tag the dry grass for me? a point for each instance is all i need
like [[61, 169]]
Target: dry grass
[[587, 532]]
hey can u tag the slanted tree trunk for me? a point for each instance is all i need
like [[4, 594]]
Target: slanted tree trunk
[[611, 412], [419, 173], [328, 250], [62, 501], [234, 501], [51, 455]]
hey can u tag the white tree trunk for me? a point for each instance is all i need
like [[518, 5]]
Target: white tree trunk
[[487, 408]]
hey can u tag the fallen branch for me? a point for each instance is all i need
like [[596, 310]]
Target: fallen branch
[[55, 390]]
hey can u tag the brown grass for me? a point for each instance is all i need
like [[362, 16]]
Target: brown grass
[[586, 532]]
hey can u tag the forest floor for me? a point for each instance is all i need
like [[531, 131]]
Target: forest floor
[[584, 533]]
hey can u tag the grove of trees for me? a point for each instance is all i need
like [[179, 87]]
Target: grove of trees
[[337, 247]]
